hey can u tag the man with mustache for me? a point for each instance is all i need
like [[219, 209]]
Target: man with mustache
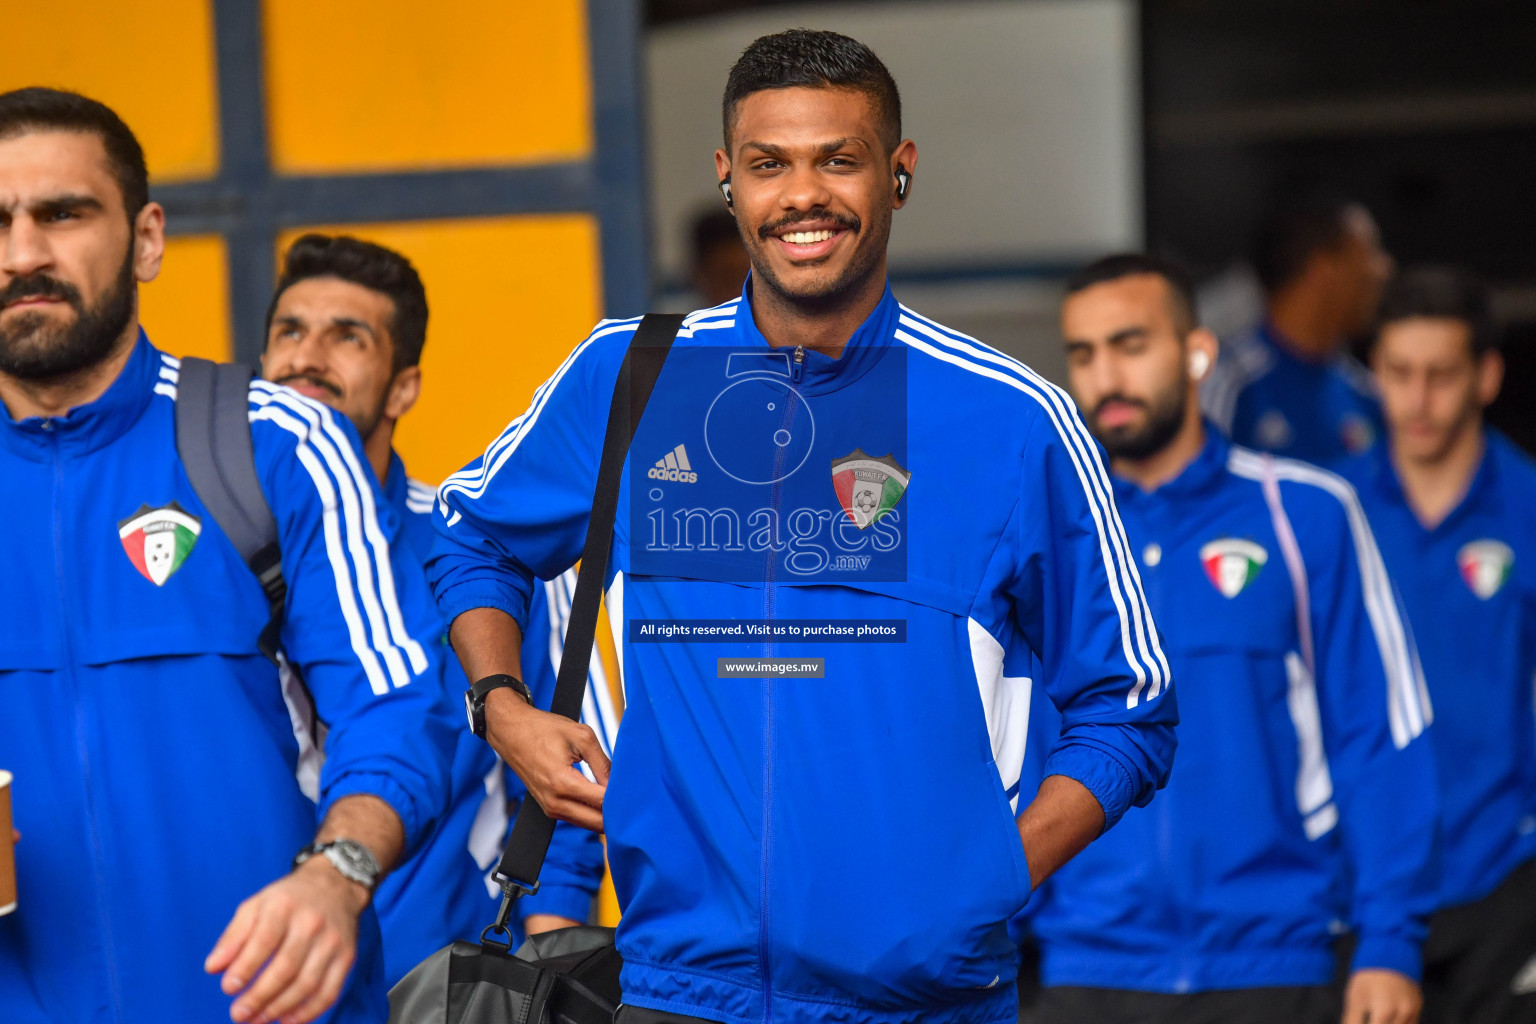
[[1302, 759], [346, 327], [1451, 499], [165, 771], [839, 844]]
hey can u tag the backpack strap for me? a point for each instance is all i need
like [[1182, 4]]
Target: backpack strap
[[213, 437], [523, 857]]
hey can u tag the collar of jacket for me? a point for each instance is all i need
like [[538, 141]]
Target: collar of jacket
[[1269, 335], [396, 483], [822, 374], [1203, 474], [1482, 493], [94, 425]]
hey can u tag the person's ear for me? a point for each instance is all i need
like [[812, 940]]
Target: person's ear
[[1490, 376], [148, 242], [1202, 348], [403, 392], [722, 166], [903, 167]]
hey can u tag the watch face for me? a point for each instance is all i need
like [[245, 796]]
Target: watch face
[[356, 858], [353, 860], [469, 708]]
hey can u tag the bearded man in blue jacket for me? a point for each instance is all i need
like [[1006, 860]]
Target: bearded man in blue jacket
[[167, 774], [819, 461], [1304, 801]]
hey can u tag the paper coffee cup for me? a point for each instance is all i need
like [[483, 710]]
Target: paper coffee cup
[[7, 849]]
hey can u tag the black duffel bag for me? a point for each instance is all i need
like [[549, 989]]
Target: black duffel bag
[[570, 975], [567, 976]]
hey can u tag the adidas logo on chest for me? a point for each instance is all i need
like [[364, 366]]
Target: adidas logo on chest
[[674, 466]]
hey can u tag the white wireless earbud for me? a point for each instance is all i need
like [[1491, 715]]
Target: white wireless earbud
[[1199, 364]]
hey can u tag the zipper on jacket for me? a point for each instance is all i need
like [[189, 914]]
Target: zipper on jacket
[[775, 501], [82, 746]]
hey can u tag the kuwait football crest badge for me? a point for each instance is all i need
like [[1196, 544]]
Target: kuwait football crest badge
[[1485, 565], [867, 487], [1232, 564], [158, 540]]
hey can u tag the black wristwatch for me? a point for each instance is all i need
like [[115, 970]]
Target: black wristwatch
[[474, 698], [351, 858]]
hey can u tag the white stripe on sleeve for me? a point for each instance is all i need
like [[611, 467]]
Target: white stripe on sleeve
[[597, 708], [341, 571], [473, 481], [1408, 708], [1144, 655], [370, 557], [388, 598]]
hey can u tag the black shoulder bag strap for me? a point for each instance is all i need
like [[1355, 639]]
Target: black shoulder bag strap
[[523, 857], [213, 437]]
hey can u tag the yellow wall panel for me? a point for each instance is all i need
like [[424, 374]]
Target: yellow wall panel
[[185, 310], [152, 61], [374, 85], [508, 299], [608, 912]]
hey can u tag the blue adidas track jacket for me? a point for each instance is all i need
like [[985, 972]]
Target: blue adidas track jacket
[[1266, 397], [1469, 586], [160, 774], [446, 890], [1304, 795], [839, 848]]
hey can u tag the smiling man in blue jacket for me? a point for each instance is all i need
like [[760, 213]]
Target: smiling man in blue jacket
[[1304, 796], [839, 844], [166, 772], [1452, 500]]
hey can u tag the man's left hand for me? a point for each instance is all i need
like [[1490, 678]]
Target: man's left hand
[[288, 948], [1379, 996]]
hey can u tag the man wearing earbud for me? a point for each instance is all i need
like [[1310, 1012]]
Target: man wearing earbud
[[841, 845], [1303, 708]]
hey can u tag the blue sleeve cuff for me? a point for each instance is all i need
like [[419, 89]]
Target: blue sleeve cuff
[[1389, 952], [1103, 776], [570, 901], [410, 809], [459, 598]]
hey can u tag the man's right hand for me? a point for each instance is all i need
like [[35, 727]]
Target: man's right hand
[[543, 749]]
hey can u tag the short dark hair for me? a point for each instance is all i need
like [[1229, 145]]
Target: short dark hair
[[36, 108], [1181, 287], [1442, 292], [371, 266], [1294, 229], [819, 60]]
